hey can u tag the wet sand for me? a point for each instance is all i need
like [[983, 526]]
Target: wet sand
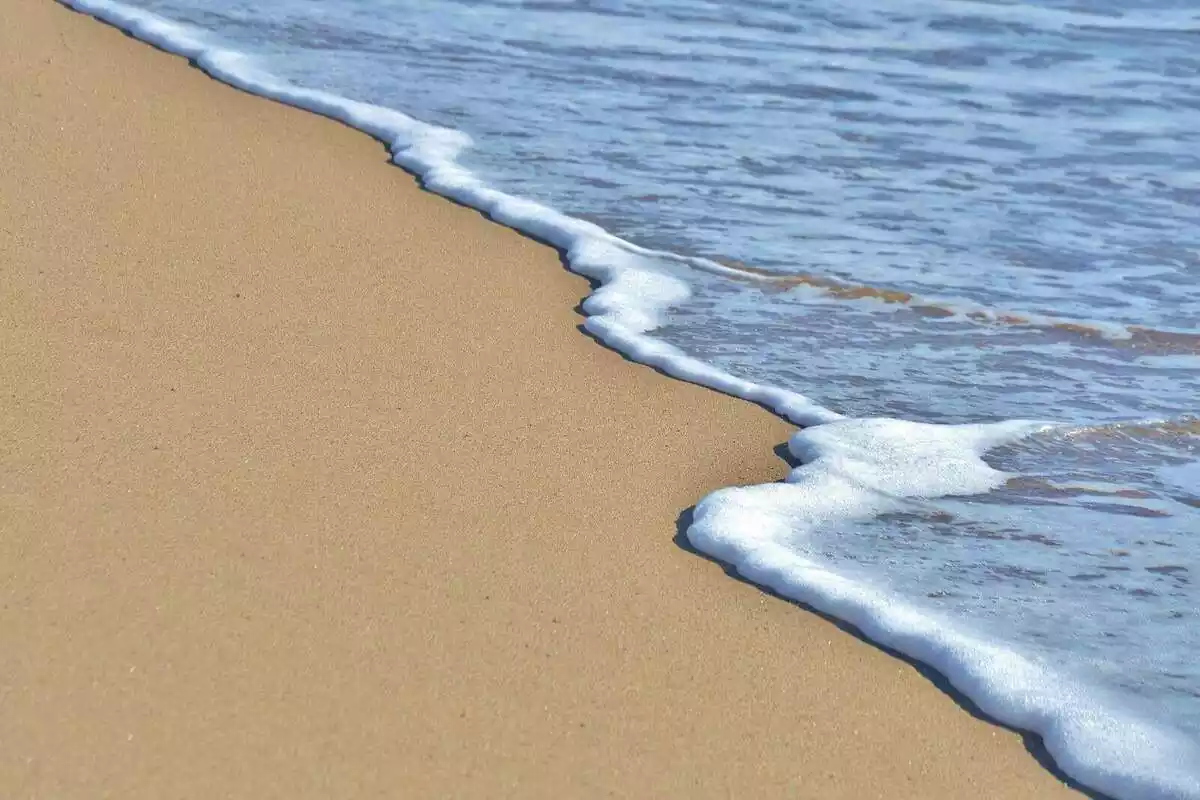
[[310, 487]]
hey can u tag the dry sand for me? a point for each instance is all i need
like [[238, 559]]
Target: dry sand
[[310, 488]]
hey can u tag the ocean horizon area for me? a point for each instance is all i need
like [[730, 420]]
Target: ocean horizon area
[[907, 505]]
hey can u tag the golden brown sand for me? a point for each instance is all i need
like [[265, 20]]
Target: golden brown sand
[[310, 488]]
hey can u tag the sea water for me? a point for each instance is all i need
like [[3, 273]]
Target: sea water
[[957, 241]]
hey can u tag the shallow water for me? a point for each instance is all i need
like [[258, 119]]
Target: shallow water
[[945, 212]]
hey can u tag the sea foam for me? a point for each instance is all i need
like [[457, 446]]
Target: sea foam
[[852, 468]]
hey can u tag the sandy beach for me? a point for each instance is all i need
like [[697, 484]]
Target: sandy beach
[[310, 487]]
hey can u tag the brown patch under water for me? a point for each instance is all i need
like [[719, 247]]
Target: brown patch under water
[[1140, 337]]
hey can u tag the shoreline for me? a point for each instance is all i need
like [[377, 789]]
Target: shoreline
[[235, 483]]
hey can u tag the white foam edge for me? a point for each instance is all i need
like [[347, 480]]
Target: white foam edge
[[747, 526], [860, 468]]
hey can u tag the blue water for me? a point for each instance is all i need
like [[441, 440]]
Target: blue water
[[944, 212]]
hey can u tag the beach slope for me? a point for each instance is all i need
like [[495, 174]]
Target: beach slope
[[310, 487]]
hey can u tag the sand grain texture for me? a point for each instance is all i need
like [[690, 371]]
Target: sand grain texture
[[310, 488]]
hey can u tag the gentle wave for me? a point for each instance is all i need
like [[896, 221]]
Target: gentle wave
[[855, 467], [864, 467]]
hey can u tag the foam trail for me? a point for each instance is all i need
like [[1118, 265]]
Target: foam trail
[[856, 468]]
